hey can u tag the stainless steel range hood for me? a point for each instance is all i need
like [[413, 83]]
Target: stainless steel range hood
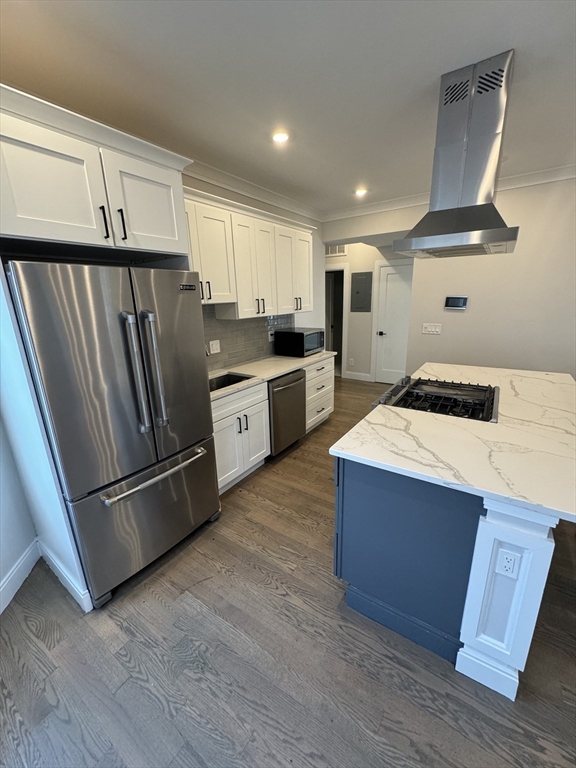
[[463, 220]]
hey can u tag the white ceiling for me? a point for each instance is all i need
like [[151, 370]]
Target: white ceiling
[[355, 82]]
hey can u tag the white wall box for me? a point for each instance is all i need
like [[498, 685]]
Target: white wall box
[[67, 178], [242, 435], [212, 251]]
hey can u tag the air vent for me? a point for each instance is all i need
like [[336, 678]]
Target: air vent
[[490, 81], [456, 92], [335, 250]]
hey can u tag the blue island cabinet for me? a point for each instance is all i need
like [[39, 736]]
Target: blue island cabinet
[[404, 546]]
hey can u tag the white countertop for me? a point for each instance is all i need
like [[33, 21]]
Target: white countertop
[[527, 458], [265, 369]]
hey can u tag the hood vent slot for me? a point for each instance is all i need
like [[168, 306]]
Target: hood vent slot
[[490, 81], [462, 220], [456, 92]]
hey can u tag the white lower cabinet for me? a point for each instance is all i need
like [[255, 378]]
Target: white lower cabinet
[[319, 392], [242, 439]]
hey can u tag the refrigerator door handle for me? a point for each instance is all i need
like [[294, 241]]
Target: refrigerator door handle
[[110, 500], [145, 424], [161, 420]]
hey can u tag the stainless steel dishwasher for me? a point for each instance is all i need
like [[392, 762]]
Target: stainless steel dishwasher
[[287, 395]]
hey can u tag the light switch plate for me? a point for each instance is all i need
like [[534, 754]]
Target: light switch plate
[[433, 328], [214, 347]]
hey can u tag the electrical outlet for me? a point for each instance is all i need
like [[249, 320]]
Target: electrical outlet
[[351, 362], [270, 335], [214, 347], [433, 328], [508, 563]]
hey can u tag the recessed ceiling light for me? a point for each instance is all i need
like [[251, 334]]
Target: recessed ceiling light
[[361, 192], [280, 137]]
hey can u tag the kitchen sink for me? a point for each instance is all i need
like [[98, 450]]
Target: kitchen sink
[[227, 379]]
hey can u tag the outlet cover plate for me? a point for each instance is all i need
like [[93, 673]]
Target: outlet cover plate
[[214, 347], [508, 563]]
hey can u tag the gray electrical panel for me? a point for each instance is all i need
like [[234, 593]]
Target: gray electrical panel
[[361, 298]]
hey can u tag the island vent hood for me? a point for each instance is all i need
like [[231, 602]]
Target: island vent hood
[[463, 220]]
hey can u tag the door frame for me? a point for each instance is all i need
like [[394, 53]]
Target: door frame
[[378, 265], [345, 304]]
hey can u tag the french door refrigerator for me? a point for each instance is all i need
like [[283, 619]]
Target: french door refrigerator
[[118, 360]]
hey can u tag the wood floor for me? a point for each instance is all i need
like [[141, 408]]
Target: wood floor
[[236, 649]]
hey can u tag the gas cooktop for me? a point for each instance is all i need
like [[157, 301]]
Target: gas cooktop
[[466, 401]]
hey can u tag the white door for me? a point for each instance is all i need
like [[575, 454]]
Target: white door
[[266, 266], [249, 304], [393, 319], [215, 249], [229, 449], [284, 240], [52, 186], [256, 434], [303, 270], [147, 204]]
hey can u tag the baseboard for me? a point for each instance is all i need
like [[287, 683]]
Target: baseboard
[[82, 596], [357, 376], [491, 673], [418, 631], [18, 574]]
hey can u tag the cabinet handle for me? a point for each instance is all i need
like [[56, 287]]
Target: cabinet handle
[[263, 307], [239, 425], [300, 301], [257, 306], [201, 291], [319, 388], [209, 289], [106, 230], [246, 422], [321, 369], [295, 304], [320, 410], [123, 220]]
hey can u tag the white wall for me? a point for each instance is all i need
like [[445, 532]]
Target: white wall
[[521, 305], [18, 547]]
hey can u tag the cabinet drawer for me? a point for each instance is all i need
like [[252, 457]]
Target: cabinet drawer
[[239, 401], [319, 387], [320, 368], [318, 411]]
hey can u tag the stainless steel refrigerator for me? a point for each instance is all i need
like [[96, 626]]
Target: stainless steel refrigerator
[[118, 360]]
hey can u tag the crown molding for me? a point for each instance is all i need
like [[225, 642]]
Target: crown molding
[[240, 186], [562, 173]]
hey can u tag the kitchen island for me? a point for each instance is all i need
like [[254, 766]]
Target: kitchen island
[[444, 525]]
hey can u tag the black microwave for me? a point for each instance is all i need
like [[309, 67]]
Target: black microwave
[[298, 342]]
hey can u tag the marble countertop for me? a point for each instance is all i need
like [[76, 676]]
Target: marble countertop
[[265, 369], [527, 458]]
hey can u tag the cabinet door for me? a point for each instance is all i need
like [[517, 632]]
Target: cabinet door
[[285, 243], [214, 230], [266, 266], [195, 265], [256, 434], [147, 203], [229, 449], [249, 304], [52, 186], [302, 267]]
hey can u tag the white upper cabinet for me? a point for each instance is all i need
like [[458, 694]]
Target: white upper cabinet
[[212, 251], [285, 245], [266, 266], [51, 185], [146, 202], [293, 270], [302, 271]]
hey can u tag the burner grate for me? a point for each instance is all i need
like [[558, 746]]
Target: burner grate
[[466, 401]]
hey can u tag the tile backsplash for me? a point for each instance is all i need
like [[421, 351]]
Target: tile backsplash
[[240, 340]]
